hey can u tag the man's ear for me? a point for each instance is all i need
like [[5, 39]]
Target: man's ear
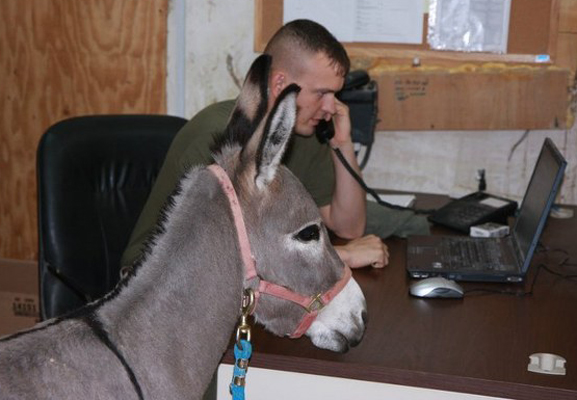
[[278, 82]]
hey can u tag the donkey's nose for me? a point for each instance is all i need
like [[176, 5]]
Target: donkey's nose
[[354, 341], [359, 331]]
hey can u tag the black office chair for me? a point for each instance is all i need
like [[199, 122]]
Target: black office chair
[[94, 174]]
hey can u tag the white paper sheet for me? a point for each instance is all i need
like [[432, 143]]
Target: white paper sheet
[[403, 200], [386, 21], [471, 25]]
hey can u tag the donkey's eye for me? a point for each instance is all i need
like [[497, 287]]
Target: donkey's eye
[[311, 232]]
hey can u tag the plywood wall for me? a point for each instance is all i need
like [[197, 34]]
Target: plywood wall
[[504, 98], [567, 38], [62, 58]]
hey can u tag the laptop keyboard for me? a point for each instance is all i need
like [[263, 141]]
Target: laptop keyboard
[[473, 253]]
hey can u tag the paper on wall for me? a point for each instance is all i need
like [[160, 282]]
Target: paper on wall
[[469, 25], [385, 21]]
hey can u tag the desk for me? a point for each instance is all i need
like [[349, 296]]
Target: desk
[[477, 345]]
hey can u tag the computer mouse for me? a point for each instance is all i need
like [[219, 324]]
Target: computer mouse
[[436, 287]]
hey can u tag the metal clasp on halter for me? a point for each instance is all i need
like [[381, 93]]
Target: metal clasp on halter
[[316, 304], [247, 306]]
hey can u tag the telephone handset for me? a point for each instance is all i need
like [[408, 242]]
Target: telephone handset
[[325, 131], [354, 81]]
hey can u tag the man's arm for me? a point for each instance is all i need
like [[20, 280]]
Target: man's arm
[[346, 214]]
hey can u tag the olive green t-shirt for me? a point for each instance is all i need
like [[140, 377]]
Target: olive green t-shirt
[[306, 157]]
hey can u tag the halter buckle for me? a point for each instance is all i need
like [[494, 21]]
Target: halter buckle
[[316, 304], [248, 303], [247, 307]]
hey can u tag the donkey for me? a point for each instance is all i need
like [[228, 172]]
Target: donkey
[[162, 331]]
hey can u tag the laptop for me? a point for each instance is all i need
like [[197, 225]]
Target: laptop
[[505, 259]]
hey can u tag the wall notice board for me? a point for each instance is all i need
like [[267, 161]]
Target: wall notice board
[[451, 90]]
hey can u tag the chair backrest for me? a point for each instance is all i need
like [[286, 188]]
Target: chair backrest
[[94, 174]]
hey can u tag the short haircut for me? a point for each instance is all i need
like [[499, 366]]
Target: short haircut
[[303, 35]]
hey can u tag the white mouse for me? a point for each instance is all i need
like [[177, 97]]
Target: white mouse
[[436, 287]]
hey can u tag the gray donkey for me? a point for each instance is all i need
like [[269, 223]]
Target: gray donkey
[[162, 331]]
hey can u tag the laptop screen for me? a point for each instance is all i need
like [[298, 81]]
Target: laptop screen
[[538, 200]]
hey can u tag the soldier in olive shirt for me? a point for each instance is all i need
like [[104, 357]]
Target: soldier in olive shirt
[[305, 53]]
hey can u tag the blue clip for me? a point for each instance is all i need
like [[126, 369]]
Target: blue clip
[[241, 359]]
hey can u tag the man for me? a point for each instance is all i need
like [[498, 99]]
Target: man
[[305, 53]]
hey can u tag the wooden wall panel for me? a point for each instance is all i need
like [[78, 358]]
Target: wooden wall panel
[[506, 98], [567, 39], [529, 27], [567, 51], [568, 16], [62, 58]]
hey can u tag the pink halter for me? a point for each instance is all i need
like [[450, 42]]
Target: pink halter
[[312, 304]]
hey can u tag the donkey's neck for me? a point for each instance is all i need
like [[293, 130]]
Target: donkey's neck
[[178, 311]]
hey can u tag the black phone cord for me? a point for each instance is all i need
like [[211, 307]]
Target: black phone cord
[[371, 191]]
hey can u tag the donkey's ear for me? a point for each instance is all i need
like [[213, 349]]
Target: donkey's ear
[[251, 104], [276, 133]]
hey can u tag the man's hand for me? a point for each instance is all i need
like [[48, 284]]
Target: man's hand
[[364, 251], [342, 122]]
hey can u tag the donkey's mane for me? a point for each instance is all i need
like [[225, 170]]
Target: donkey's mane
[[158, 230], [226, 147], [242, 124]]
